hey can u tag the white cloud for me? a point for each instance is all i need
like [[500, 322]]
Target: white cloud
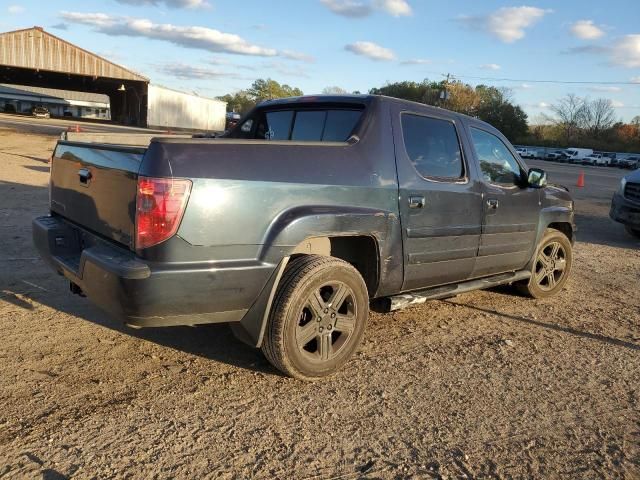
[[203, 38], [586, 30], [543, 105], [397, 8], [416, 61], [168, 3], [292, 55], [348, 8], [15, 9], [508, 24], [617, 104], [190, 72], [626, 51], [490, 66], [605, 89], [635, 80], [364, 8], [370, 50]]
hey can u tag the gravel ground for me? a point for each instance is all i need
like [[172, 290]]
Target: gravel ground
[[484, 385]]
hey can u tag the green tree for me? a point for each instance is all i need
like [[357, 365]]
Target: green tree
[[495, 108], [262, 89], [268, 89]]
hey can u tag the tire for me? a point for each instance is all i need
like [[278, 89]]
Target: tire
[[632, 231], [551, 267], [307, 336]]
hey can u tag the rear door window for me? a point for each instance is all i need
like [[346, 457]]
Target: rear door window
[[432, 146]]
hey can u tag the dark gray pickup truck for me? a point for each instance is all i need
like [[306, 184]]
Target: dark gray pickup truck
[[305, 215]]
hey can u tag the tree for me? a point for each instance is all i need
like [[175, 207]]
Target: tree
[[268, 89], [238, 102], [495, 108], [334, 90], [569, 115], [424, 92], [262, 89], [598, 116]]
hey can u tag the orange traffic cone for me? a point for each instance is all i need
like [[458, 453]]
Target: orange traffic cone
[[580, 180]]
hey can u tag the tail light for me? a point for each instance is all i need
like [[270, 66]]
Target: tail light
[[160, 204]]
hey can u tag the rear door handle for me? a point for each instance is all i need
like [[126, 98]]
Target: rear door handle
[[416, 201], [492, 204]]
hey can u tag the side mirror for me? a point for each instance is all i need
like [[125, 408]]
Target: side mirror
[[537, 178]]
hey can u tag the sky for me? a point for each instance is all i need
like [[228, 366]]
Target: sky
[[213, 47]]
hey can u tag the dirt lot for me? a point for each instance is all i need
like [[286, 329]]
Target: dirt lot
[[485, 385]]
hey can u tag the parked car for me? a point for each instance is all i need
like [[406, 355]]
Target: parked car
[[625, 204], [630, 163], [292, 223], [525, 153], [596, 159], [577, 155], [40, 112], [558, 155], [232, 119]]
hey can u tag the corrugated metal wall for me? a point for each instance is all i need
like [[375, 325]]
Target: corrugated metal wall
[[36, 49], [171, 109]]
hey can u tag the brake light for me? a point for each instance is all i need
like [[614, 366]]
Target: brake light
[[160, 204]]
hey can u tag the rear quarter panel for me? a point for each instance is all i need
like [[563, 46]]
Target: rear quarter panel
[[262, 198]]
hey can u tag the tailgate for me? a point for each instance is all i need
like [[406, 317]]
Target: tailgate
[[95, 186]]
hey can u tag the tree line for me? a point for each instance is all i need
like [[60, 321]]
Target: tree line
[[573, 121]]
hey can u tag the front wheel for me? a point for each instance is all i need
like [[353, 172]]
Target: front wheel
[[551, 267], [318, 317]]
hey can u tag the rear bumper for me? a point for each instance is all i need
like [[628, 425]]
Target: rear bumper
[[146, 294], [624, 211]]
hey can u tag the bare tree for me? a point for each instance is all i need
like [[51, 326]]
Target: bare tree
[[599, 115], [569, 115]]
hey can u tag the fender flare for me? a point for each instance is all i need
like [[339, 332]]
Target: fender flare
[[300, 223]]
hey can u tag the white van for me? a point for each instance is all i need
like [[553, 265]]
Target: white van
[[577, 155]]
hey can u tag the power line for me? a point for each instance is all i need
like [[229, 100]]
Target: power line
[[563, 82]]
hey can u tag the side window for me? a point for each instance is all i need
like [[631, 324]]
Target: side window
[[432, 146], [496, 162]]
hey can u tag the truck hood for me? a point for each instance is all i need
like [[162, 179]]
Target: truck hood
[[633, 176]]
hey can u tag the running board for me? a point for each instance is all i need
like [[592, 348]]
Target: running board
[[404, 300]]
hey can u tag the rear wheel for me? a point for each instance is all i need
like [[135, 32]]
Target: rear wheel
[[318, 317], [551, 267], [632, 231]]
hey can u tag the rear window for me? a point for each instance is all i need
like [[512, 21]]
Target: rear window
[[301, 125]]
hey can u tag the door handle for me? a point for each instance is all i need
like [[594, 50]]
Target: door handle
[[85, 175], [416, 201], [492, 204]]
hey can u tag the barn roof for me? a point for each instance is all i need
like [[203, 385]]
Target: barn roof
[[36, 49]]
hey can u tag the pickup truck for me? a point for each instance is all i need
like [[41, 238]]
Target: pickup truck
[[311, 211], [625, 204]]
